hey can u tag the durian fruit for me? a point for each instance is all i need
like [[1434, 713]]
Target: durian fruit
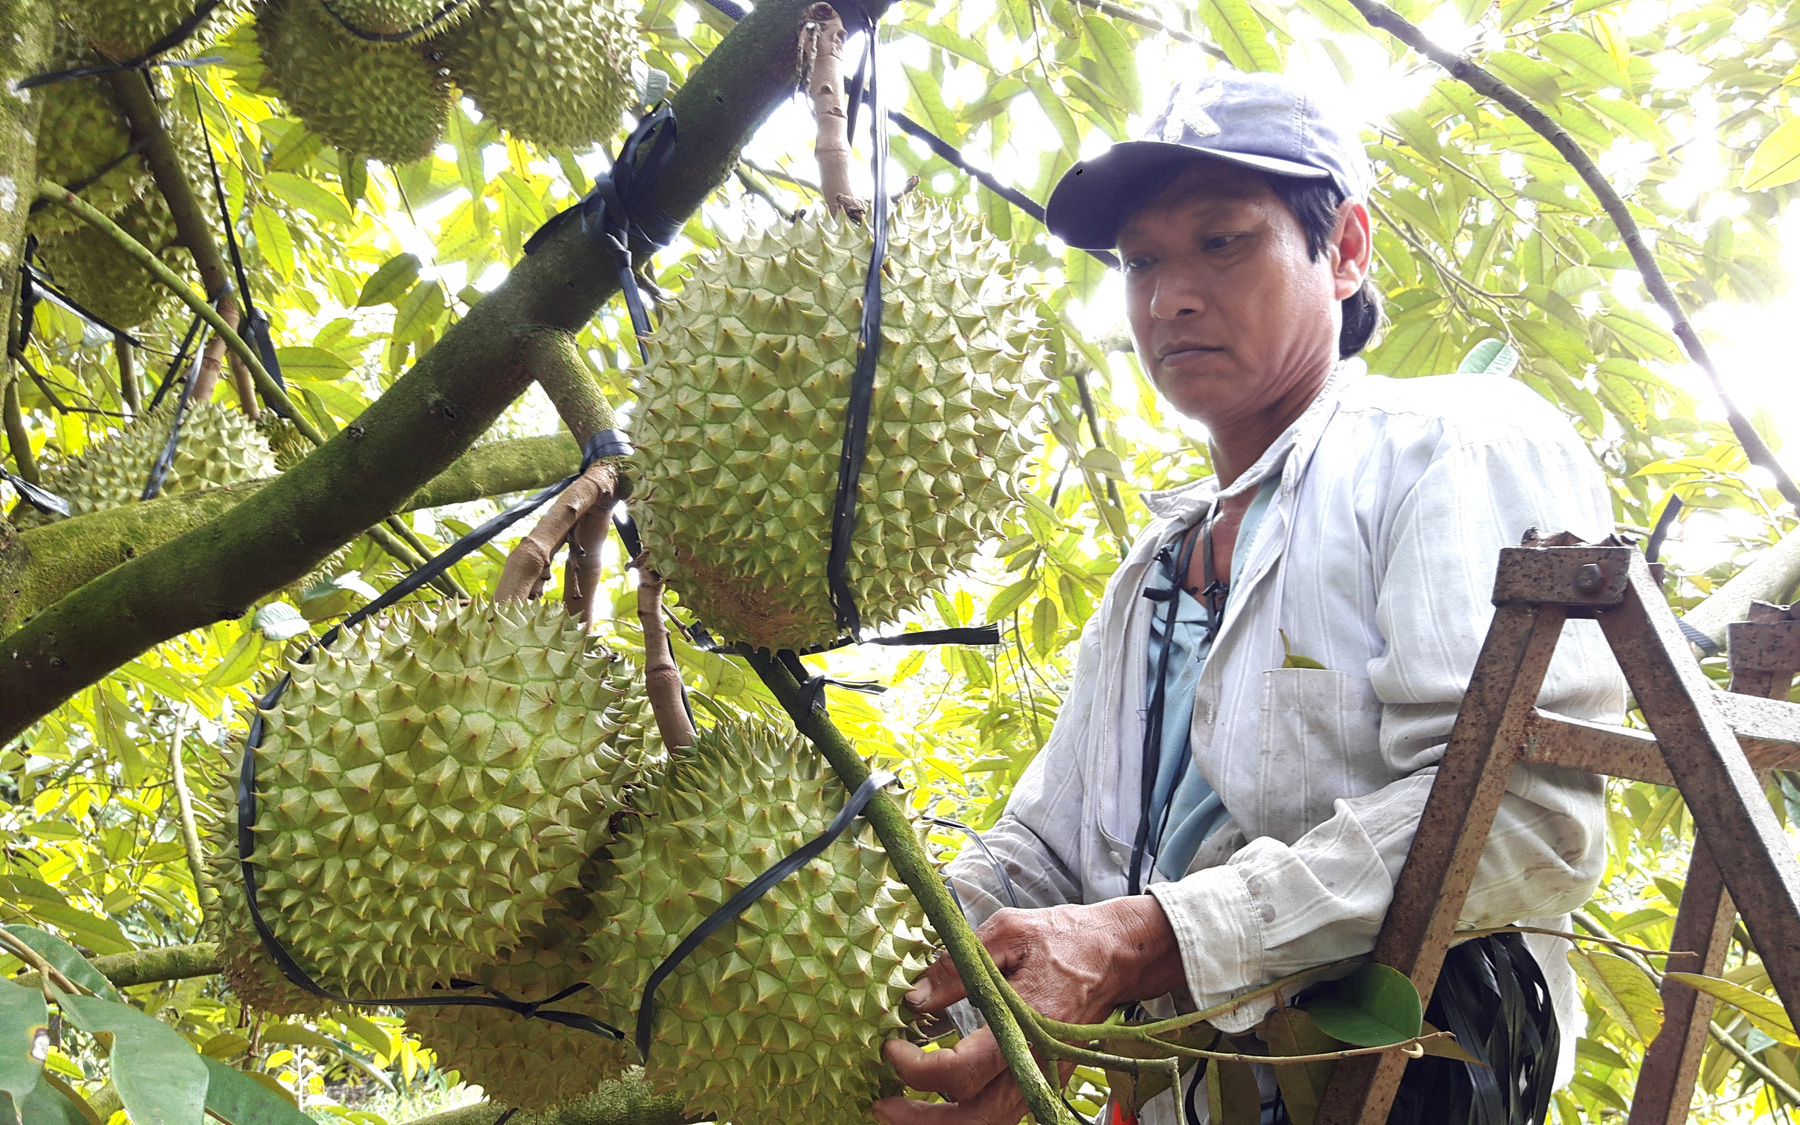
[[82, 142], [553, 72], [85, 263], [779, 1016], [218, 447], [124, 30], [388, 105], [381, 22], [529, 1064], [741, 415], [427, 787]]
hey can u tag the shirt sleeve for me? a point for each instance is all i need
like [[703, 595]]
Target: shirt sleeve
[[1276, 908]]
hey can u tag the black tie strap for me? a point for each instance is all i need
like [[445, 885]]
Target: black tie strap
[[740, 902], [445, 10], [159, 471], [606, 443], [38, 497], [175, 38], [41, 287]]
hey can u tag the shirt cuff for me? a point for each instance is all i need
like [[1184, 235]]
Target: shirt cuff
[[1221, 943]]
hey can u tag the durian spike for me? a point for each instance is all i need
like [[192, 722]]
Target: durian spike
[[662, 679], [528, 566], [822, 45]]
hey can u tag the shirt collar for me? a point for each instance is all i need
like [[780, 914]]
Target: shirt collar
[[1189, 500]]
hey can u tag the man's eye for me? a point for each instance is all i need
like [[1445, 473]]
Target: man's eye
[[1133, 265], [1218, 241]]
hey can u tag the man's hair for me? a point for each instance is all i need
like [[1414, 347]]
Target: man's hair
[[1315, 204]]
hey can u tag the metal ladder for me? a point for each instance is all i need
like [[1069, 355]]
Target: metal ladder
[[1716, 747]]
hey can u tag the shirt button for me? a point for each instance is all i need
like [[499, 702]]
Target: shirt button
[[1118, 857], [1268, 913]]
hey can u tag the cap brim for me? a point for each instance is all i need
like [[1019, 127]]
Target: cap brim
[[1089, 202]]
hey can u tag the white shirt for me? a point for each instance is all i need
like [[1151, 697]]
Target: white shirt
[[1377, 559]]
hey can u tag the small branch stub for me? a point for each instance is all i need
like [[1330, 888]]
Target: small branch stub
[[662, 679]]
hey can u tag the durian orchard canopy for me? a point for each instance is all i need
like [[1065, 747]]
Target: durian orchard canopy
[[292, 235]]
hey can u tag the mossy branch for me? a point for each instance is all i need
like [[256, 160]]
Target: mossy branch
[[916, 870], [145, 257], [423, 422], [149, 966], [1484, 82]]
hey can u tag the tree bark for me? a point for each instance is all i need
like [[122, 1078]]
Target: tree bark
[[427, 419], [24, 50], [150, 966], [43, 564]]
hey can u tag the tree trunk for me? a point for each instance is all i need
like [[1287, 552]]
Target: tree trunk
[[430, 416], [24, 49]]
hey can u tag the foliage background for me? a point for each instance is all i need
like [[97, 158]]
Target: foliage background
[[1481, 231]]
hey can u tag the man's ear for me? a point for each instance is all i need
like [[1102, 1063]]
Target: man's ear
[[1352, 248]]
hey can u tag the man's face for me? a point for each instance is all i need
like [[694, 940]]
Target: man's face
[[1232, 319]]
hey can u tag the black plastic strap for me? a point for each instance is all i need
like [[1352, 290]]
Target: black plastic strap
[[159, 470], [1699, 640], [1671, 511], [175, 38], [740, 902], [445, 10], [176, 363], [38, 497], [1150, 755], [1006, 886], [862, 379], [601, 445], [42, 287]]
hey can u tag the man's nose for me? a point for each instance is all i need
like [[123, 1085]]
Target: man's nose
[[1172, 299]]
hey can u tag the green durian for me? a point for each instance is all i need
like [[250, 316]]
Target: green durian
[[779, 1016], [388, 105], [741, 412], [85, 263], [427, 788], [219, 447], [529, 1064], [384, 22], [82, 143], [125, 30], [553, 72]]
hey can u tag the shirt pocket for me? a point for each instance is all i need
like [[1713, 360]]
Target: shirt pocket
[[1319, 740]]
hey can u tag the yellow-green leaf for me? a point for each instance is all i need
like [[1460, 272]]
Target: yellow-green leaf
[[1763, 1012], [1776, 160]]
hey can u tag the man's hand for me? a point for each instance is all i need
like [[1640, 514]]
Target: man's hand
[[1072, 963]]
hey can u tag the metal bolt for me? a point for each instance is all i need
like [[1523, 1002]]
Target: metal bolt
[[1589, 579]]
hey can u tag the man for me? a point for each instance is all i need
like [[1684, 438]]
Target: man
[[1210, 812]]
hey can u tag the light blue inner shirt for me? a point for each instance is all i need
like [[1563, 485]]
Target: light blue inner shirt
[[1194, 810]]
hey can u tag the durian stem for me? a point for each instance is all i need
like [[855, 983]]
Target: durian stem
[[445, 583], [822, 42], [528, 566], [581, 568], [413, 560], [130, 394], [17, 438], [662, 677], [204, 897], [141, 254], [132, 94], [916, 870]]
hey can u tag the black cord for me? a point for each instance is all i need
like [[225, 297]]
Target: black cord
[[445, 10], [159, 469], [1006, 886], [169, 42]]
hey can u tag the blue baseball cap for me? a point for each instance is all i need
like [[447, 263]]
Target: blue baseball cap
[[1258, 120]]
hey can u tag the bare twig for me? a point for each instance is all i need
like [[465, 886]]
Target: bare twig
[[184, 811], [51, 975], [1483, 82], [662, 679], [528, 566], [1466, 935], [824, 37], [17, 438], [129, 392]]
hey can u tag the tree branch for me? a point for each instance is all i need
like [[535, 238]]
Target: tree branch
[[1484, 82], [17, 438], [427, 419], [204, 894], [662, 677], [528, 564], [149, 966]]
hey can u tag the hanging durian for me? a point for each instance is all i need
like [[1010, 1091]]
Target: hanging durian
[[126, 30], [96, 272], [84, 143], [219, 447], [779, 1016], [553, 72], [426, 789], [388, 105], [741, 415], [386, 22], [529, 1064]]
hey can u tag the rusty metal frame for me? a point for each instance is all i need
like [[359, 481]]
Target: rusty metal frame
[[1710, 744]]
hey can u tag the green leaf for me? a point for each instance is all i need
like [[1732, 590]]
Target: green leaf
[[1776, 160], [1372, 1007], [389, 283], [1011, 598], [353, 177], [66, 960], [49, 1103], [160, 1077], [928, 98], [420, 311], [1764, 1013], [311, 363], [273, 241], [238, 1099], [24, 1039], [1044, 622], [1583, 58], [1290, 1031], [1239, 33], [1622, 991], [308, 195], [1118, 65], [1490, 357], [1293, 659]]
